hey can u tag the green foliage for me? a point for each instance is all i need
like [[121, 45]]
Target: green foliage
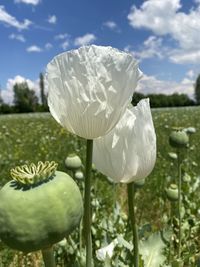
[[25, 99], [162, 100], [197, 90], [4, 108], [151, 250], [26, 138], [44, 106]]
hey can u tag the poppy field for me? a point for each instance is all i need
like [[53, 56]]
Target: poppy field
[[28, 138]]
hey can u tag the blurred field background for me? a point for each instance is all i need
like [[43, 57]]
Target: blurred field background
[[32, 137]]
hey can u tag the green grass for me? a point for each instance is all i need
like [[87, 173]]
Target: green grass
[[32, 137], [29, 138], [26, 138]]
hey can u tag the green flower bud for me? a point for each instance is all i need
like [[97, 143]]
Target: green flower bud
[[178, 139], [79, 175], [172, 155], [73, 162], [190, 130], [172, 192]]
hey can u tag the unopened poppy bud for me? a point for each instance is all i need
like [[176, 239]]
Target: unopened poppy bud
[[172, 192], [79, 175], [178, 139], [172, 155], [73, 162], [190, 130]]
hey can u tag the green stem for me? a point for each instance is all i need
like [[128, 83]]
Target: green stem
[[132, 218], [171, 237], [48, 257], [179, 206], [87, 204]]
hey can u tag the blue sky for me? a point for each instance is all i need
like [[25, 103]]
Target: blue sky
[[162, 34]]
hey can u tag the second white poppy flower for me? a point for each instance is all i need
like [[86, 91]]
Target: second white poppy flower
[[128, 152]]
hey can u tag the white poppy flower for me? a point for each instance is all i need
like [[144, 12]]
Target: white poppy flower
[[90, 88], [128, 152]]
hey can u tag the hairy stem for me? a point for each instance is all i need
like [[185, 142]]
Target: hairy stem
[[179, 206], [132, 218], [48, 257], [87, 204]]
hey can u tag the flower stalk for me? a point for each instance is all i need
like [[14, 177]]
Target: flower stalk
[[132, 218], [87, 204], [179, 205], [48, 257]]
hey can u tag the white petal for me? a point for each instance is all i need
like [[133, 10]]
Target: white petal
[[128, 152], [89, 88]]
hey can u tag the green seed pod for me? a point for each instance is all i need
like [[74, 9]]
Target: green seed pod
[[39, 207], [139, 183], [178, 139], [172, 192], [73, 162]]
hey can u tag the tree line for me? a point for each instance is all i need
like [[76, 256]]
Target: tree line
[[25, 99]]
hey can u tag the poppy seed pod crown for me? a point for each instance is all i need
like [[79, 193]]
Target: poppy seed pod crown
[[39, 207]]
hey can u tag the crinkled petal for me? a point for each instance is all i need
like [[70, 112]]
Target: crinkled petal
[[90, 88], [128, 152]]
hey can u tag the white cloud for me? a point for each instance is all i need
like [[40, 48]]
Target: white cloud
[[52, 19], [152, 47], [190, 74], [18, 37], [165, 18], [65, 45], [7, 94], [61, 36], [185, 57], [86, 39], [155, 15], [9, 20], [34, 48], [48, 46], [32, 2], [150, 84], [111, 25]]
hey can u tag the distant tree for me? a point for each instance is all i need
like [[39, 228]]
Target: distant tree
[[162, 100], [197, 90], [42, 93], [4, 108], [137, 97], [25, 99], [1, 100]]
